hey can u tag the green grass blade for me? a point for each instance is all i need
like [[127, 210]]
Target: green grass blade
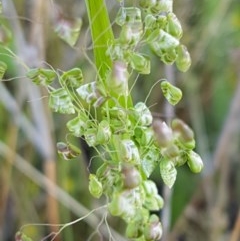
[[102, 34]]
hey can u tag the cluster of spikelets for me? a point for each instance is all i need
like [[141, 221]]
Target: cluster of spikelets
[[127, 138]]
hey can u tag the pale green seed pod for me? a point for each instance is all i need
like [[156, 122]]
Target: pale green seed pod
[[195, 162], [180, 160], [178, 126], [161, 20], [89, 92], [117, 113], [128, 16], [147, 3], [126, 204], [150, 22], [108, 175], [183, 61], [132, 230], [183, 133], [168, 172], [72, 78], [95, 186], [142, 114], [162, 6], [153, 229], [90, 136], [118, 79], [147, 137], [149, 161], [160, 201], [119, 126], [128, 152], [68, 30], [171, 151], [67, 151], [150, 188], [114, 206], [115, 51], [152, 200], [131, 177], [103, 132], [153, 203], [163, 133], [169, 57], [3, 68], [171, 93], [173, 26], [41, 76], [140, 63], [161, 42], [78, 125], [132, 28], [144, 135], [126, 35], [121, 17], [61, 102], [130, 34]]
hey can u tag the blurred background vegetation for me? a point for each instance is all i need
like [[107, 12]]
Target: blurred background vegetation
[[201, 207]]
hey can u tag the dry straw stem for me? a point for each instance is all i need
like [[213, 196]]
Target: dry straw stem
[[235, 236]]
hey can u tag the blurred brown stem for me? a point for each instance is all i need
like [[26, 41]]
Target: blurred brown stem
[[235, 236]]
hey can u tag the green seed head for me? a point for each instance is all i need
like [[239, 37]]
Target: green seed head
[[118, 79], [163, 133], [41, 76], [153, 229], [194, 162], [147, 3], [95, 186], [142, 114], [168, 172], [78, 125], [131, 177], [171, 93], [72, 78], [183, 60], [162, 6], [61, 102], [173, 26], [140, 63]]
